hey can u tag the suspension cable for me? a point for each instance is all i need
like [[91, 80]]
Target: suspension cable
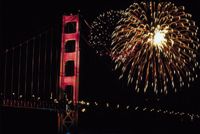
[[22, 43], [51, 49], [26, 68], [85, 21], [12, 74], [45, 62], [19, 72], [32, 68], [5, 74], [38, 80], [57, 74]]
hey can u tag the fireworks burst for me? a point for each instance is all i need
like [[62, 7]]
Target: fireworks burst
[[101, 31], [155, 45]]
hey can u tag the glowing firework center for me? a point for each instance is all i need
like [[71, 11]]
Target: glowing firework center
[[155, 47], [157, 39]]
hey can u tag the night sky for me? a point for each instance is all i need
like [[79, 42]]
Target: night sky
[[20, 20]]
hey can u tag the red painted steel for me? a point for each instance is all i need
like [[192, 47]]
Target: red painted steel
[[70, 56]]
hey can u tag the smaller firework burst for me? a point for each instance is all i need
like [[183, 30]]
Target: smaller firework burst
[[101, 31]]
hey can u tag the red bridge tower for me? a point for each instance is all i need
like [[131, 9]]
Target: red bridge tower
[[69, 73]]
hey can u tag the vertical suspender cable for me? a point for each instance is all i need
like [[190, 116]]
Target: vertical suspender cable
[[5, 74], [26, 68], [38, 80], [19, 73], [12, 74], [45, 62], [51, 49], [56, 66], [32, 68], [57, 73]]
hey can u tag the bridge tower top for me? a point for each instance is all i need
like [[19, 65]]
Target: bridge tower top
[[69, 58]]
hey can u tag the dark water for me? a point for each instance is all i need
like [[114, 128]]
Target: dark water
[[21, 121]]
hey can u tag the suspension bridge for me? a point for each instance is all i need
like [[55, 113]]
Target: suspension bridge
[[28, 80], [43, 73]]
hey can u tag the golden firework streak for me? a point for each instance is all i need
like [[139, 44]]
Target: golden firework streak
[[156, 47]]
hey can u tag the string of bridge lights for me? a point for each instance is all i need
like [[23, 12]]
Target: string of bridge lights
[[86, 105]]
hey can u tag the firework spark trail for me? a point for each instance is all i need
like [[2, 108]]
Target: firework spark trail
[[156, 46], [101, 31]]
